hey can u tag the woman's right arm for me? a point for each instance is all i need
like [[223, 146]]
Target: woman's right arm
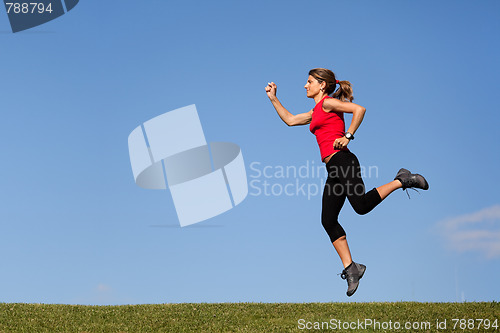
[[287, 117]]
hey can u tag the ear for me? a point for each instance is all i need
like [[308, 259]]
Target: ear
[[322, 85]]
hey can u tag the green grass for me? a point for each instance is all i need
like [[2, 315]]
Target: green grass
[[240, 317]]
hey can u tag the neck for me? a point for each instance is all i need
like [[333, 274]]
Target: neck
[[319, 97]]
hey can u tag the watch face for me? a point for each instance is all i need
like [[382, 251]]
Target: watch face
[[348, 135]]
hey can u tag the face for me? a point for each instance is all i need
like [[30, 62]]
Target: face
[[313, 87]]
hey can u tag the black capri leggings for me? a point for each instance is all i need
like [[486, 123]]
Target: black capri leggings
[[344, 180]]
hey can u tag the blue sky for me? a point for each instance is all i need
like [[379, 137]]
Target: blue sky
[[76, 229]]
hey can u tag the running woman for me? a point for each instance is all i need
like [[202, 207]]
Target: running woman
[[333, 98]]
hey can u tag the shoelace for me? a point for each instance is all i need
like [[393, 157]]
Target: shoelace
[[343, 275], [408, 194]]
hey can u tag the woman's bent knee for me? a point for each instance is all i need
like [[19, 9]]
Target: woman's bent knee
[[361, 210]]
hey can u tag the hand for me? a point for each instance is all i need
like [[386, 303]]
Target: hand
[[271, 89], [341, 143]]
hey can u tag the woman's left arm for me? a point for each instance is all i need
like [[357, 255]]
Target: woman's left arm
[[358, 113]]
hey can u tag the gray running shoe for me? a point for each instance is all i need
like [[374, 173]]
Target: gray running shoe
[[352, 274], [411, 180]]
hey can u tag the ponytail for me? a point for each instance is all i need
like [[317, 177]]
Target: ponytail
[[344, 91]]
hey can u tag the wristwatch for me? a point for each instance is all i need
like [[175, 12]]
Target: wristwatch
[[349, 136]]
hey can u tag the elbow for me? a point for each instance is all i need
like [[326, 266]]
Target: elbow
[[290, 122], [361, 111]]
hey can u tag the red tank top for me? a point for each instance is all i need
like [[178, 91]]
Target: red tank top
[[327, 126]]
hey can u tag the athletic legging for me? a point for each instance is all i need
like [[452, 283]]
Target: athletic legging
[[344, 180]]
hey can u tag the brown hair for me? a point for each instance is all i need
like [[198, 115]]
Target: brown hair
[[343, 93]]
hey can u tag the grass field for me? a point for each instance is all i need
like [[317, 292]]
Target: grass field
[[253, 317]]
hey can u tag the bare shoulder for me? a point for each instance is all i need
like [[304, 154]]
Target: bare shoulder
[[332, 104], [335, 105]]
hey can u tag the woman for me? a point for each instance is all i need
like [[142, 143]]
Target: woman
[[326, 121]]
